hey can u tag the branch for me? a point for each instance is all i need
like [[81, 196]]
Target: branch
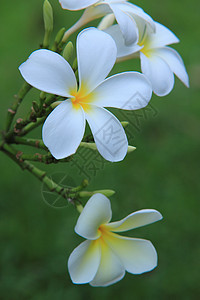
[[29, 142], [71, 194], [13, 109]]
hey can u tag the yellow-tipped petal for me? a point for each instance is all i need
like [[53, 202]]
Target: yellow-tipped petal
[[84, 262], [137, 219], [137, 255], [97, 211], [110, 270]]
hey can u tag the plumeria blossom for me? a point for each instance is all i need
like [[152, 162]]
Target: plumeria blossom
[[104, 257], [158, 62], [64, 128], [123, 11]]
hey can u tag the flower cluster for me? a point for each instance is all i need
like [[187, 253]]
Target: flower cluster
[[97, 52], [104, 257], [85, 93]]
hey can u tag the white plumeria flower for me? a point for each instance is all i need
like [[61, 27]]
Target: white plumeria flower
[[123, 11], [64, 128], [104, 257], [158, 62]]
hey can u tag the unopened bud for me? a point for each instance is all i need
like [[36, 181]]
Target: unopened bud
[[48, 16], [84, 183], [42, 96], [87, 194], [79, 207], [35, 106], [75, 64], [125, 124], [68, 51], [56, 103], [107, 193], [131, 149], [59, 36]]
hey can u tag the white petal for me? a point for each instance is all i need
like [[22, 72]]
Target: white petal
[[175, 63], [97, 11], [130, 91], [76, 4], [110, 270], [84, 262], [159, 74], [127, 24], [109, 135], [63, 130], [96, 212], [49, 72], [137, 13], [106, 22], [137, 255], [96, 54], [137, 219], [122, 49], [162, 37]]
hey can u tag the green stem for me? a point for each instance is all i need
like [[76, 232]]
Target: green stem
[[33, 125], [29, 142], [37, 111], [13, 109], [41, 175], [47, 158], [42, 158], [80, 187], [46, 40]]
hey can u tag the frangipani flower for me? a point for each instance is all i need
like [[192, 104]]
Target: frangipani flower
[[158, 62], [104, 257], [123, 11], [64, 128]]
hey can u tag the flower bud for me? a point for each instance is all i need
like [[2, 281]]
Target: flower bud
[[124, 124], [59, 35], [56, 103], [35, 106], [75, 64], [131, 149], [48, 16], [107, 193], [68, 51]]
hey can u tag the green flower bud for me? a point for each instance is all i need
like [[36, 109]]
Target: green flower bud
[[131, 149], [68, 51], [125, 124], [107, 193], [59, 35], [56, 103], [75, 64], [35, 106], [86, 194], [79, 207], [48, 16]]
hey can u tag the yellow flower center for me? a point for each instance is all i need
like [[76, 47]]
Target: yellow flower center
[[145, 43], [103, 230], [81, 98]]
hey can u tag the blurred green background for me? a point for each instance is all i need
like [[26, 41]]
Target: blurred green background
[[163, 173]]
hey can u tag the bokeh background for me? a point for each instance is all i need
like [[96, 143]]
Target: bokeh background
[[163, 173]]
